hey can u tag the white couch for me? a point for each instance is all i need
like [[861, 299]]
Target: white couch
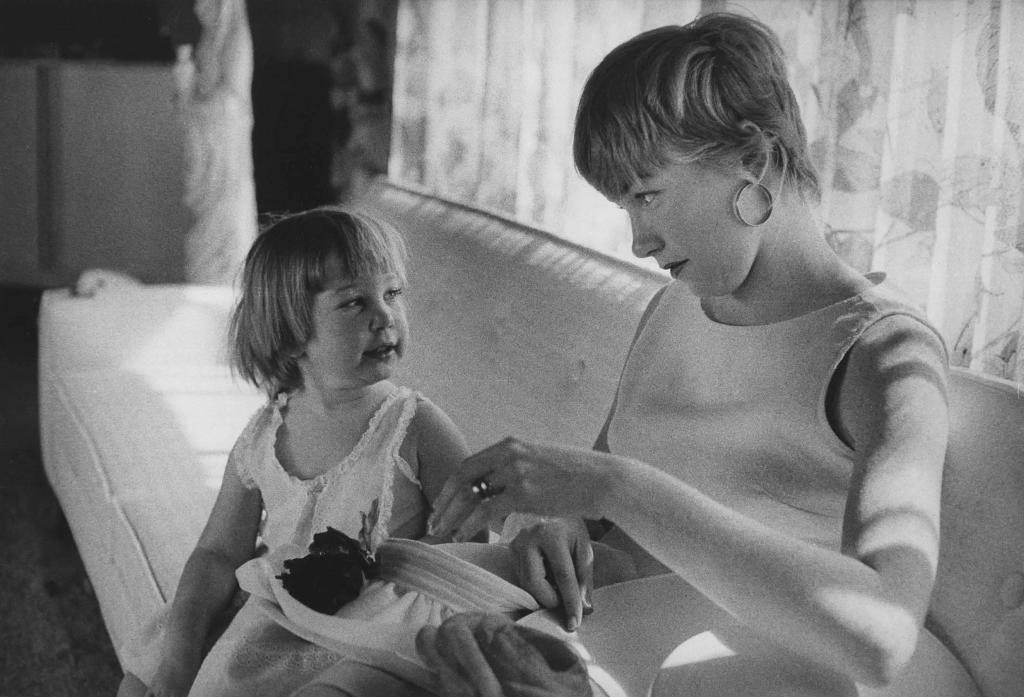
[[514, 331]]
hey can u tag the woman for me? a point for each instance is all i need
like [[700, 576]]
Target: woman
[[778, 433]]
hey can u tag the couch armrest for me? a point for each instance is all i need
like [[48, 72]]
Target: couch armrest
[[145, 325]]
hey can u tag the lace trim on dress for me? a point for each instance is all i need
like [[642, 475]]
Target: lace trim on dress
[[393, 461], [386, 502], [321, 480], [408, 412], [240, 456]]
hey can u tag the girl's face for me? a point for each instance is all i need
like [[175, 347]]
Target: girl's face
[[359, 330], [682, 216]]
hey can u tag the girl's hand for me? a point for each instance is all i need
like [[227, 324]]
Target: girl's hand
[[175, 676], [486, 655], [554, 562], [525, 477]]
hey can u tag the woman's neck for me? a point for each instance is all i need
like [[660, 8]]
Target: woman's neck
[[795, 272]]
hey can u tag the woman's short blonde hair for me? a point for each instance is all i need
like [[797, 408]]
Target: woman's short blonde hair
[[713, 91], [283, 272]]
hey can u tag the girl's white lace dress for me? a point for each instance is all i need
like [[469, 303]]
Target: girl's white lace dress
[[256, 655]]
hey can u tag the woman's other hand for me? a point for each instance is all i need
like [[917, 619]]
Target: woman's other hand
[[554, 562], [486, 655], [557, 563], [516, 476]]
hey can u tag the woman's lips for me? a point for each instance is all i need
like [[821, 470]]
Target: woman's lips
[[676, 268]]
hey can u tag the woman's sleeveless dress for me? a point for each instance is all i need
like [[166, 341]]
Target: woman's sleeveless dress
[[255, 655], [739, 412]]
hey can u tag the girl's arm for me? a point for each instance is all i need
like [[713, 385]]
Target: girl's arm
[[436, 447], [208, 582], [857, 610]]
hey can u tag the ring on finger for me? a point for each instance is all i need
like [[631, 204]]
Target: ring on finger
[[484, 490]]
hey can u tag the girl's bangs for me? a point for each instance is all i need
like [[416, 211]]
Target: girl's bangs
[[363, 248]]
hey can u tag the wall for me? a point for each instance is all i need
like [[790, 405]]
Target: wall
[[91, 173], [19, 223]]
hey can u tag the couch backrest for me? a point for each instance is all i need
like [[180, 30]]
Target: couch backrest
[[514, 331], [518, 332]]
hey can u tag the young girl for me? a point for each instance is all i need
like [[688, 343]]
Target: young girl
[[778, 433], [320, 326]]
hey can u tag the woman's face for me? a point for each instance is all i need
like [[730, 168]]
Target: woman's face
[[359, 330], [682, 216]]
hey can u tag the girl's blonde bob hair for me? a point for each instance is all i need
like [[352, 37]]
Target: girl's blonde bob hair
[[283, 272], [713, 91]]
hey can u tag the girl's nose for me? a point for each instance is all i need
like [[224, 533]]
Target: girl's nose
[[383, 318]]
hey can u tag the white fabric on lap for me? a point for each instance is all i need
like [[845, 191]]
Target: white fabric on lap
[[364, 681], [419, 585]]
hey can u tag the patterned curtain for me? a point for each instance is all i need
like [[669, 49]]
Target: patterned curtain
[[915, 110], [214, 82]]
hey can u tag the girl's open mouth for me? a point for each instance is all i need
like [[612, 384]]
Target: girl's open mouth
[[382, 352]]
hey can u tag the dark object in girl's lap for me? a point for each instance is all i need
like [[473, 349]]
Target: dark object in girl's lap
[[332, 574]]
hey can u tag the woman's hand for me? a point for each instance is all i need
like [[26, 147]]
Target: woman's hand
[[514, 475], [554, 563], [486, 655], [553, 556]]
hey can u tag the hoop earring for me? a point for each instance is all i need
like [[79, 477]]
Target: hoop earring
[[765, 194]]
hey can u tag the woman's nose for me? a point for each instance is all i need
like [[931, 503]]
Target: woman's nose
[[644, 243]]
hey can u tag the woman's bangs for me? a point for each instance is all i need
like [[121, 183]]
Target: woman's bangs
[[617, 155]]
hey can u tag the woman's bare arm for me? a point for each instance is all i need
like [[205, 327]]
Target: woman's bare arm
[[857, 610]]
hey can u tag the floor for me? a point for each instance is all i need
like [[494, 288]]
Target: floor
[[52, 639]]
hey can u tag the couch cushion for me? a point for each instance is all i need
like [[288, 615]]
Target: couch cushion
[[136, 457]]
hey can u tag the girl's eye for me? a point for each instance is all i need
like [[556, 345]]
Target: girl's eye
[[393, 294], [354, 302], [645, 198]]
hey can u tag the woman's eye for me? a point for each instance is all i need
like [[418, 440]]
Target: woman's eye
[[345, 304], [393, 294], [645, 198]]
